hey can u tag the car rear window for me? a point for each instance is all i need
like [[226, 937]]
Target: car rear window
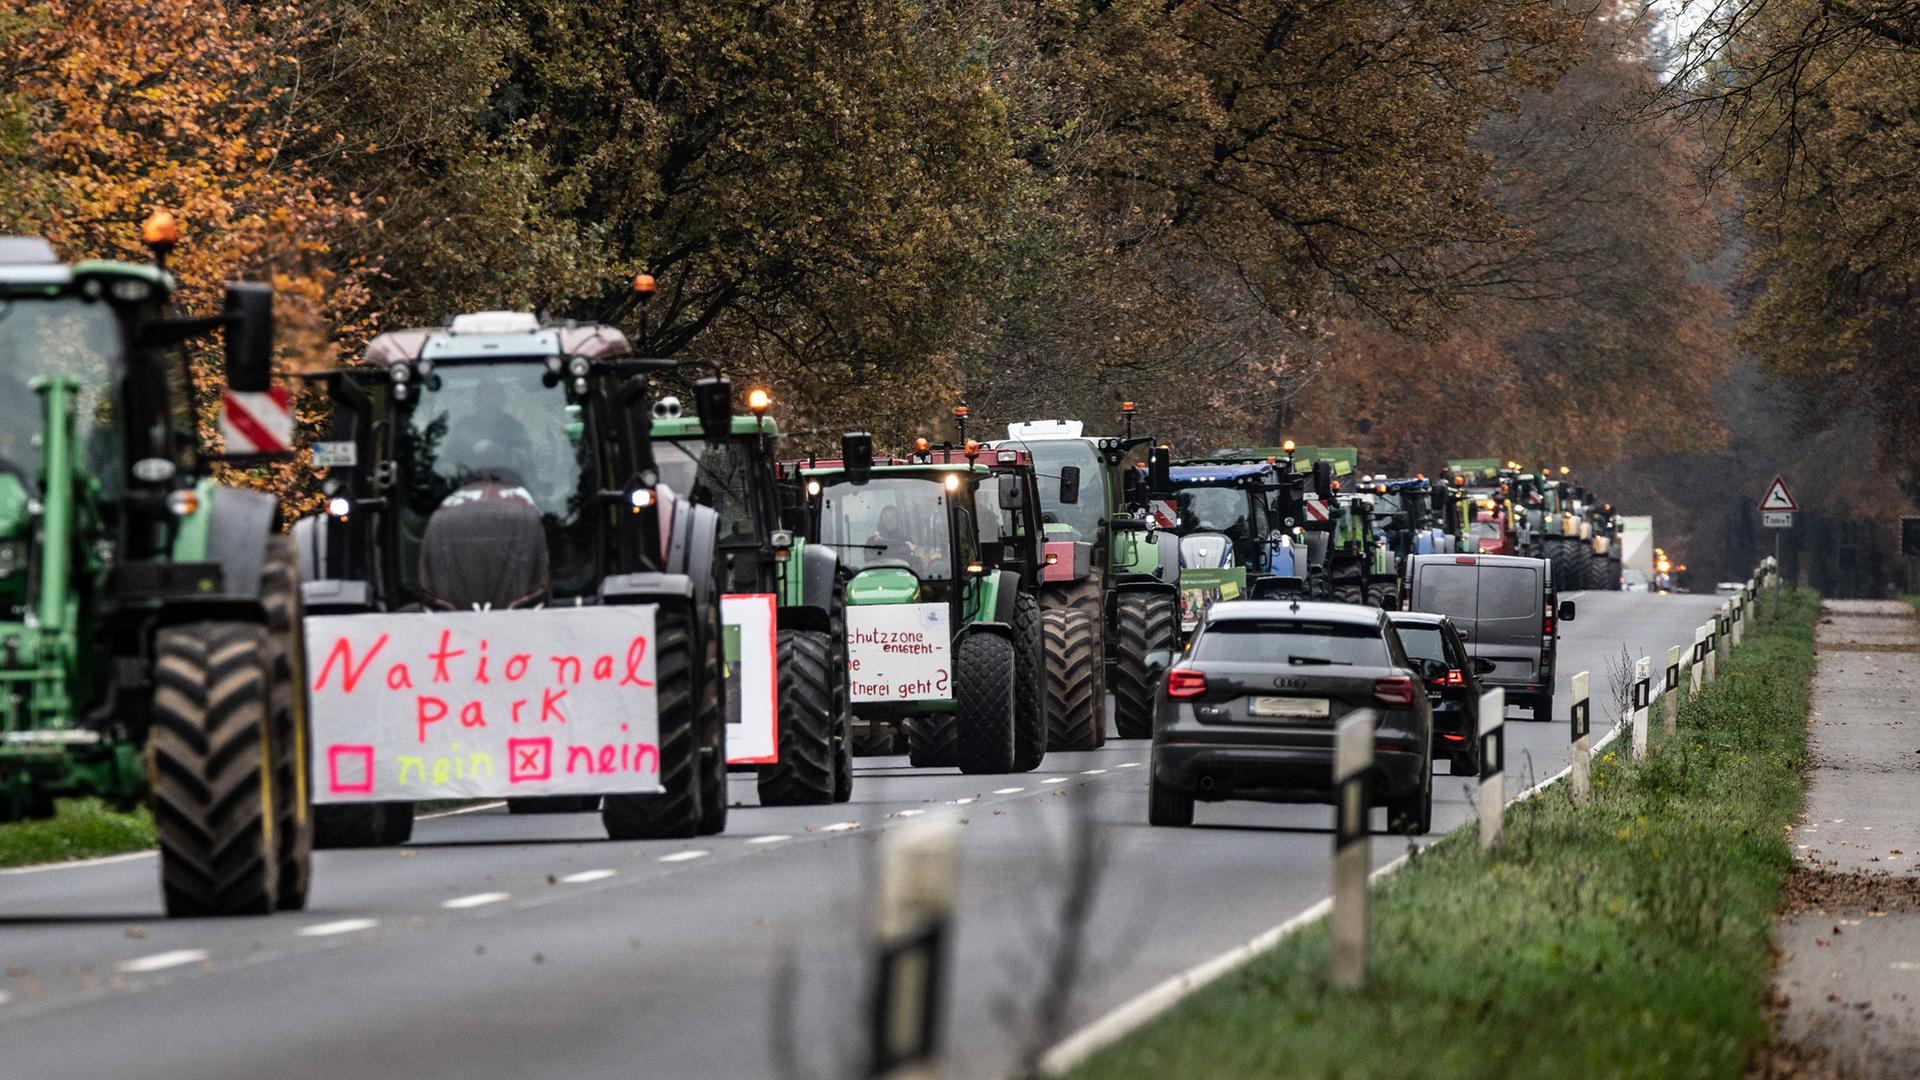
[[1447, 588], [1293, 641], [1509, 592], [1424, 642]]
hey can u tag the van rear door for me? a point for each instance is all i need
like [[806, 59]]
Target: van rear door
[[1448, 586], [1507, 631]]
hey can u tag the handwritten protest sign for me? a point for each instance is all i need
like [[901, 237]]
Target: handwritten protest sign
[[477, 704], [899, 652], [753, 736]]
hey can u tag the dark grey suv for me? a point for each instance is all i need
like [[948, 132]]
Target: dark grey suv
[[1249, 711]]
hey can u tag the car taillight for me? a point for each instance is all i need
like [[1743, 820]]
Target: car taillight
[[1393, 690], [1456, 677], [1546, 622], [1185, 683]]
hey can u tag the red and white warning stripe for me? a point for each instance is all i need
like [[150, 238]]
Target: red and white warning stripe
[[257, 423], [1315, 509], [1166, 514]]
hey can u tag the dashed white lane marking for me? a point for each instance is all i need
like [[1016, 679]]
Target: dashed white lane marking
[[78, 864], [909, 813], [5, 997], [683, 856], [773, 839], [342, 926], [162, 960], [585, 876], [1092, 772], [962, 802], [1054, 780], [460, 810], [1007, 790], [840, 826], [478, 899], [1128, 765]]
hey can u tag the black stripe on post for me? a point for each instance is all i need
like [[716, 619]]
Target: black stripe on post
[[1350, 819], [1642, 693], [1673, 677], [1493, 752], [909, 969], [1579, 714]]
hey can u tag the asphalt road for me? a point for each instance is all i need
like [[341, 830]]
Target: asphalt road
[[509, 947]]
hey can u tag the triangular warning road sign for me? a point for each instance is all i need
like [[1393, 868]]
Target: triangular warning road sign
[[1777, 497]]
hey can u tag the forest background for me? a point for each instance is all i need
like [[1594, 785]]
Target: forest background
[[1672, 248]]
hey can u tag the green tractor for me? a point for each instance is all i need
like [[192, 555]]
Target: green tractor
[[803, 753], [1107, 560], [942, 640], [149, 616], [491, 486]]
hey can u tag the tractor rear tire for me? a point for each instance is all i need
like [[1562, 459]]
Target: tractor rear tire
[[1614, 570], [209, 763], [986, 705], [672, 814], [1146, 624], [1075, 715], [805, 774], [930, 741], [1383, 595], [1578, 558], [1597, 573], [713, 752], [880, 739], [1350, 592], [1084, 595], [280, 596], [1030, 685]]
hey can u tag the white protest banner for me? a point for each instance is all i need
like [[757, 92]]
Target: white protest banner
[[899, 652], [483, 704], [753, 704]]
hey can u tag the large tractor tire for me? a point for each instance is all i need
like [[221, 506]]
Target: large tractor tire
[[1076, 716], [986, 703], [805, 774], [1614, 570], [930, 741], [713, 745], [1579, 559], [209, 763], [1597, 566], [842, 757], [1350, 591], [1030, 685], [1383, 595], [1082, 595], [293, 811], [876, 740], [1144, 623], [674, 813]]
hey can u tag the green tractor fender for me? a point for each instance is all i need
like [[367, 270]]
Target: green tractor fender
[[808, 598], [228, 531], [990, 601]]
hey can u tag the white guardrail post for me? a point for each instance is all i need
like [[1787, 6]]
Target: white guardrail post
[[1493, 766], [1579, 769], [1697, 667], [910, 932], [1352, 848], [1713, 646], [1642, 672], [1670, 695]]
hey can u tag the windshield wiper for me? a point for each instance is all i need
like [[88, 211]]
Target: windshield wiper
[[1315, 661]]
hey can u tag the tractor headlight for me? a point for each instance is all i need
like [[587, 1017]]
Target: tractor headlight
[[641, 498], [182, 503], [579, 366], [339, 507]]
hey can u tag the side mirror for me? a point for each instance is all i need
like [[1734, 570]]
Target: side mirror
[[1158, 660], [856, 453], [1159, 473], [1070, 485], [1566, 611], [1009, 489], [1482, 666], [713, 404], [1323, 480], [249, 323]]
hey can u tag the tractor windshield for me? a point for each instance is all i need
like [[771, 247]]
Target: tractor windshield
[[61, 336], [499, 423], [892, 521], [1216, 509], [1050, 458], [717, 476]]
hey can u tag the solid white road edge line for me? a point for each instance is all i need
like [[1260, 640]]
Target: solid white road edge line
[[342, 926], [460, 810], [79, 864], [161, 961], [1135, 1013]]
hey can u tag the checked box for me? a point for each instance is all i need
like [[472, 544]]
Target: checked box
[[529, 760]]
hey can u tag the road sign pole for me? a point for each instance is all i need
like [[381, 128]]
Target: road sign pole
[[1493, 766], [1580, 767], [911, 926], [1352, 848]]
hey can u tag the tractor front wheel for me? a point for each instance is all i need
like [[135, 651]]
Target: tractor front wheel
[[805, 773], [1030, 685], [986, 706], [675, 812], [210, 761], [1075, 713], [293, 812], [1145, 624]]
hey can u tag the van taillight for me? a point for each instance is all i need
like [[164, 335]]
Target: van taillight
[[1546, 621], [1393, 690], [1185, 683]]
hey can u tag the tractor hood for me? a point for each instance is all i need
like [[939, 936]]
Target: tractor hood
[[1205, 551], [883, 585]]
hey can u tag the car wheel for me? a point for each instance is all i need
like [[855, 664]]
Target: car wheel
[[1167, 808], [1543, 708]]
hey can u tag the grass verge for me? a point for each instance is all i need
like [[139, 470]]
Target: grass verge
[[78, 829], [1629, 938]]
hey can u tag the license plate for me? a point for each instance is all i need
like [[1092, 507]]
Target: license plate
[[1287, 706]]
